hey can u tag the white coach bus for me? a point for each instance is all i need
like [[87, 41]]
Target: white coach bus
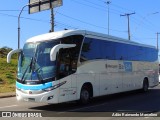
[[78, 65]]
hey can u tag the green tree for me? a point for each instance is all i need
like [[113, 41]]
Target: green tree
[[4, 51]]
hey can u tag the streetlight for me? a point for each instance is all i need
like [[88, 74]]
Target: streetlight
[[108, 2], [19, 24], [157, 40], [157, 32]]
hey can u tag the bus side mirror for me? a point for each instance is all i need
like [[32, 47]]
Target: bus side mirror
[[9, 55], [56, 48]]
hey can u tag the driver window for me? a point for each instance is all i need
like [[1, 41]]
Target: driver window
[[67, 59], [65, 63]]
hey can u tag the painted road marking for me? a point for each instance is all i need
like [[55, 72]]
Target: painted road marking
[[8, 106]]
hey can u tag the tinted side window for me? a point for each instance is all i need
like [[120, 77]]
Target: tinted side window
[[91, 50], [107, 50], [97, 49], [101, 49], [121, 52]]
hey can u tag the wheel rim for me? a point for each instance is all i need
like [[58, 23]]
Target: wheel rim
[[85, 95]]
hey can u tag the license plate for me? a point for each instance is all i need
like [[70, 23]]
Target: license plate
[[31, 99]]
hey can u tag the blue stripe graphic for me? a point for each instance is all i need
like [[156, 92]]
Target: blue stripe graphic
[[33, 87]]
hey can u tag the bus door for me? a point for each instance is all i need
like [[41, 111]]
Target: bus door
[[65, 70]]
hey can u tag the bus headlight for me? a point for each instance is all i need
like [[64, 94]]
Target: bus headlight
[[55, 86]]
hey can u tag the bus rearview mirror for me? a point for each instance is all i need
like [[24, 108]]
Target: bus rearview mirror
[[9, 55], [56, 48]]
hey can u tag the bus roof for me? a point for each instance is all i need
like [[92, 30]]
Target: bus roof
[[55, 35], [65, 33]]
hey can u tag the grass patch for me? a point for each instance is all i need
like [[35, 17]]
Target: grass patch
[[7, 88], [7, 75]]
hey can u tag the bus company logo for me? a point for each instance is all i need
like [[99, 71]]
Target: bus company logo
[[128, 66], [111, 66], [29, 92]]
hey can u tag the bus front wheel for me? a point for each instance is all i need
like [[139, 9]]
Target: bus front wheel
[[85, 95]]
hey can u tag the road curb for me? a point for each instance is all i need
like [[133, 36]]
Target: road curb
[[5, 95]]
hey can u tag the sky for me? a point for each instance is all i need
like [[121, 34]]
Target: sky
[[89, 15]]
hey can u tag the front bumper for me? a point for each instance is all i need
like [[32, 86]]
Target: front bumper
[[30, 96]]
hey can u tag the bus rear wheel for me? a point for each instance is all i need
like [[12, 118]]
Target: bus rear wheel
[[145, 85], [85, 95]]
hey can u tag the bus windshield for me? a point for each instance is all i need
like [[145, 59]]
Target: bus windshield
[[34, 63]]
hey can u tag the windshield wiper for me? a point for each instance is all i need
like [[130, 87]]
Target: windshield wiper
[[39, 75], [30, 65]]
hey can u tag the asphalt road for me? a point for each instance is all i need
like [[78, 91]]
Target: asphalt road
[[133, 103]]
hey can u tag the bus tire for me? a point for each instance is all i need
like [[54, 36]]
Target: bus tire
[[145, 85], [85, 95]]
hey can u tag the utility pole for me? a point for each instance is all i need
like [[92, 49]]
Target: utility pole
[[157, 40], [52, 20], [128, 15], [108, 2], [19, 17]]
